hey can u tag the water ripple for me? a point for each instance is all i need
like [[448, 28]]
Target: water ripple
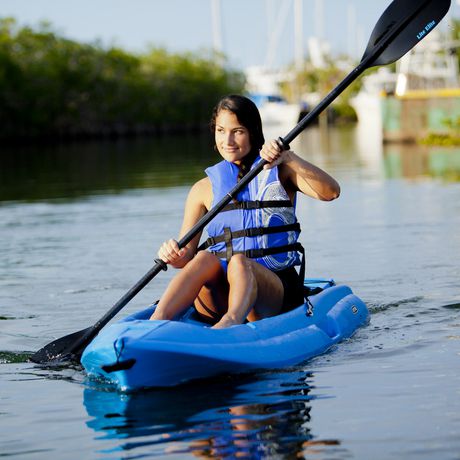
[[375, 307], [452, 306]]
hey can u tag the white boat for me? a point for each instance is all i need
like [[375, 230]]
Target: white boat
[[275, 110], [263, 88]]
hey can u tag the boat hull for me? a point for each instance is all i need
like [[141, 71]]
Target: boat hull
[[137, 353]]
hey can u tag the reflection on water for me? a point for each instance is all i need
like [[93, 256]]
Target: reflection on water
[[71, 170], [84, 168], [415, 161], [396, 160], [236, 416]]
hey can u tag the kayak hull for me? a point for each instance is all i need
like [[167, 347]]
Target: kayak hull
[[137, 353]]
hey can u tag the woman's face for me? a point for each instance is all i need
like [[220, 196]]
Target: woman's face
[[232, 138]]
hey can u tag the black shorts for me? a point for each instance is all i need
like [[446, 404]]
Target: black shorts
[[293, 288]]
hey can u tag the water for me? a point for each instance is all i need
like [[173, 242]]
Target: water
[[80, 224]]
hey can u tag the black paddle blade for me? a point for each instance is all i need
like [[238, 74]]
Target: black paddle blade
[[62, 349], [403, 24]]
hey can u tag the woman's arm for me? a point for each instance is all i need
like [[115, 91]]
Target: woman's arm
[[197, 204], [297, 174]]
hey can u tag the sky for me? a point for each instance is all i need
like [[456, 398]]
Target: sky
[[252, 32]]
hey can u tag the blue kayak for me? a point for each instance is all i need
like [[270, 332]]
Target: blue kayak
[[137, 353]]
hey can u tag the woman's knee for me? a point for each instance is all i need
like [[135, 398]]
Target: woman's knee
[[206, 268], [240, 265], [205, 259]]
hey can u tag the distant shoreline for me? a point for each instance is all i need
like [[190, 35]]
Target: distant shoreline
[[55, 88]]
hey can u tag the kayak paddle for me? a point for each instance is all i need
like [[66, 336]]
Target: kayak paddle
[[402, 25]]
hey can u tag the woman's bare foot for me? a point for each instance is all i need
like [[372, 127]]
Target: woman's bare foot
[[226, 321]]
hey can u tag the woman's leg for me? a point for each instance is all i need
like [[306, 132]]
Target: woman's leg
[[203, 270], [255, 292]]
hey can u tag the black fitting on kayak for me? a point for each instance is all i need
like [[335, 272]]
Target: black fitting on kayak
[[118, 347], [119, 366], [162, 264]]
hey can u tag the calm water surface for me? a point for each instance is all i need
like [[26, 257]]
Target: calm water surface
[[80, 224]]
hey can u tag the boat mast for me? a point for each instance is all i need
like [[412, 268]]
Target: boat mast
[[217, 26], [275, 35], [298, 34], [319, 19], [352, 32]]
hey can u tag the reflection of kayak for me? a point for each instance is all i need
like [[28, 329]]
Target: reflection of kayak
[[172, 408], [137, 353]]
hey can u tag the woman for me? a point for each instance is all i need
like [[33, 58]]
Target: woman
[[247, 271]]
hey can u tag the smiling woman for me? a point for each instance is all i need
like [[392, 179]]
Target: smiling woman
[[232, 138], [246, 271]]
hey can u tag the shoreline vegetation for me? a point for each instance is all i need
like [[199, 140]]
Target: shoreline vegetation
[[451, 138], [56, 89], [53, 88], [441, 139]]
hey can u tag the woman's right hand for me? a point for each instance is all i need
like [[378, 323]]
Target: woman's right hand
[[170, 253]]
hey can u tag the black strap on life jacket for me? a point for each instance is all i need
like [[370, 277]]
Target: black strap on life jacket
[[249, 232], [257, 204], [257, 253]]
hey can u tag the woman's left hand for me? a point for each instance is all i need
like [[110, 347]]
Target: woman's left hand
[[273, 153]]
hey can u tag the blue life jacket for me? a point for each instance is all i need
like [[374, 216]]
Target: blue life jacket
[[261, 223]]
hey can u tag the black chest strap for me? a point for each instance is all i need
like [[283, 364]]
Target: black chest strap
[[257, 204], [228, 235], [258, 253]]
